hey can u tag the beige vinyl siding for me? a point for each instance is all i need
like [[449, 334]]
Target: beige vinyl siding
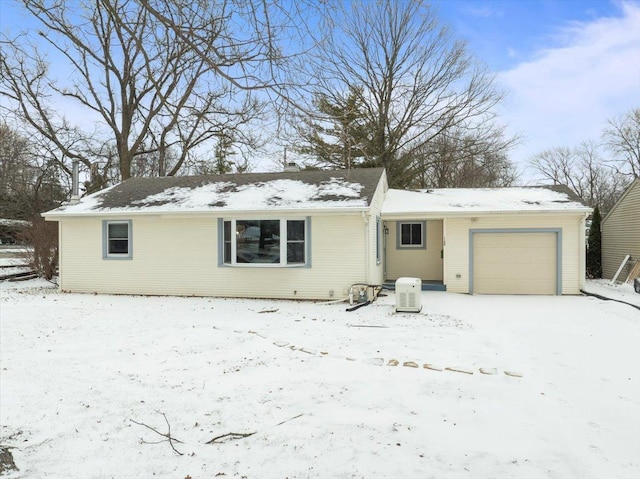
[[178, 256], [375, 269], [621, 233], [515, 263], [425, 264], [456, 245]]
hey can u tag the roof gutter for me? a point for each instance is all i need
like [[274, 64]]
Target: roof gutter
[[469, 213], [53, 216]]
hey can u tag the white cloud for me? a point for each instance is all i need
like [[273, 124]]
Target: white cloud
[[484, 11], [564, 94]]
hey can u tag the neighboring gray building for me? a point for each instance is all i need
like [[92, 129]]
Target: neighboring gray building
[[621, 233]]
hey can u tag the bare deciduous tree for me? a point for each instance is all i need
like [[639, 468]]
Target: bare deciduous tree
[[271, 39], [582, 170], [622, 138], [15, 167], [29, 176], [150, 93], [412, 79], [459, 158]]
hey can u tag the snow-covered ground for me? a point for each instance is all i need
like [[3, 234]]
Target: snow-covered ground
[[11, 254], [619, 291], [313, 383]]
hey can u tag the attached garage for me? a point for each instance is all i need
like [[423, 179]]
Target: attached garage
[[520, 240], [511, 261]]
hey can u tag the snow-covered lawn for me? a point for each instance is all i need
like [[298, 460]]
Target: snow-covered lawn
[[619, 291], [312, 382]]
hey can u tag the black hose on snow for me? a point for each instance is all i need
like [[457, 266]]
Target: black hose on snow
[[358, 306], [608, 299]]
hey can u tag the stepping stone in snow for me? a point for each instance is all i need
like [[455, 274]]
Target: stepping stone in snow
[[393, 362], [488, 370], [410, 364], [513, 374], [375, 361], [350, 359], [460, 370], [281, 344], [308, 351], [432, 367]]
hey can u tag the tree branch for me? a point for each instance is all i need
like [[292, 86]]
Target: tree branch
[[166, 435]]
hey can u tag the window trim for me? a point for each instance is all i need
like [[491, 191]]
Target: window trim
[[423, 236], [105, 240], [283, 244]]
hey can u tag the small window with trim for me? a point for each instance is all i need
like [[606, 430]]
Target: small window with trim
[[411, 234], [117, 240]]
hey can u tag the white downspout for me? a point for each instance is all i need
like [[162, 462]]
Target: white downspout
[[384, 249], [367, 241], [583, 251], [445, 269]]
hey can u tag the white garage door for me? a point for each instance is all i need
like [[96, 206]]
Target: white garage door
[[514, 263]]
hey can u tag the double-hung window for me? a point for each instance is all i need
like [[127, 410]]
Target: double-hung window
[[295, 241], [411, 234], [117, 239], [275, 242]]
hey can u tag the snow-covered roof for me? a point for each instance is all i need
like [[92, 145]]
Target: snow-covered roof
[[12, 222], [453, 201], [303, 190]]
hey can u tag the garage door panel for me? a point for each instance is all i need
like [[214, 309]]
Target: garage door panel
[[515, 263], [522, 286]]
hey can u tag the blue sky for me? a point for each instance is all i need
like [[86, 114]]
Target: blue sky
[[567, 65], [504, 32]]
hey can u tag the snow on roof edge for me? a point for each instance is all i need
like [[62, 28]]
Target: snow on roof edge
[[462, 214], [282, 194], [474, 201], [219, 212]]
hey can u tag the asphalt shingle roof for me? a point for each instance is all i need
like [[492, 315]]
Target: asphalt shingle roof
[[307, 189]]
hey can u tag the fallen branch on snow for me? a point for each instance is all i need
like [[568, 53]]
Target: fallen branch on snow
[[231, 435], [242, 435], [168, 436]]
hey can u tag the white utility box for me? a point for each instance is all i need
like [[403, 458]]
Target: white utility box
[[408, 295]]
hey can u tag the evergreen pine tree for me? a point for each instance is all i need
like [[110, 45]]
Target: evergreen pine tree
[[594, 260], [223, 151]]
